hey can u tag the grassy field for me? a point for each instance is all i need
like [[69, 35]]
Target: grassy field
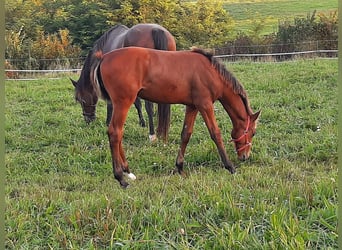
[[61, 194], [269, 12]]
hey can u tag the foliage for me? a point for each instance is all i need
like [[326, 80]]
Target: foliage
[[18, 17], [54, 46], [247, 13], [61, 194], [206, 24], [87, 20], [311, 28], [202, 23], [15, 43], [316, 31]]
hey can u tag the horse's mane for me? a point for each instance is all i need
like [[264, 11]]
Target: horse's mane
[[91, 59], [99, 44], [227, 76], [87, 73]]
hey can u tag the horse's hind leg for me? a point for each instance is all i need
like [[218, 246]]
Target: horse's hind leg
[[137, 105], [109, 112], [149, 110], [189, 120]]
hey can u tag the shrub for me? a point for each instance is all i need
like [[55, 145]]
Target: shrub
[[41, 53]]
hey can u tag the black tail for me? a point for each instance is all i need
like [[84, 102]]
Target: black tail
[[164, 110], [159, 39]]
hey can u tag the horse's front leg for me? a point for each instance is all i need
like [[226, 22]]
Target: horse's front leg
[[215, 134], [115, 135], [125, 167], [149, 110], [189, 120]]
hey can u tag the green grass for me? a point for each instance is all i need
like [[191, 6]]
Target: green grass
[[61, 194], [269, 12]]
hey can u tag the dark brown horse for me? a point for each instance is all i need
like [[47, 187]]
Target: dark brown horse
[[151, 36], [193, 78]]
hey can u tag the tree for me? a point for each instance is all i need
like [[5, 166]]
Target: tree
[[87, 20], [57, 45], [203, 22]]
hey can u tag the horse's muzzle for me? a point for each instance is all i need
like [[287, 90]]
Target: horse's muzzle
[[244, 156], [89, 118]]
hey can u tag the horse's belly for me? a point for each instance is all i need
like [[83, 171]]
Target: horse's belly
[[165, 94]]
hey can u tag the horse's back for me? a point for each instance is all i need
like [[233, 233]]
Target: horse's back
[[155, 63], [132, 57], [159, 76], [141, 35], [125, 61]]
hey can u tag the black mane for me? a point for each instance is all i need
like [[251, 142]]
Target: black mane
[[85, 72], [228, 77], [91, 60], [99, 44]]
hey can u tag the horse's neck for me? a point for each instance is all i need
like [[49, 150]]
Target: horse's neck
[[115, 40], [235, 107], [85, 72]]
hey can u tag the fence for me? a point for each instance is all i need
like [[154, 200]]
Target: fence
[[274, 52], [30, 68], [279, 56], [248, 48]]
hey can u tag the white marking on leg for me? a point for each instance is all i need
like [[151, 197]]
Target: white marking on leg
[[152, 137], [131, 176]]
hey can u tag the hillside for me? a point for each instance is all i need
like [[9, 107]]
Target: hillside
[[269, 12]]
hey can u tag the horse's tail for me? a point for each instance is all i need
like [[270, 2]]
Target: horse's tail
[[159, 39], [164, 110], [96, 76]]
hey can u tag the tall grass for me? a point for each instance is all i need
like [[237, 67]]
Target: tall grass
[[61, 194]]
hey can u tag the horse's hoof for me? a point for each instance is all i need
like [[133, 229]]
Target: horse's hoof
[[131, 176], [183, 174], [180, 172], [142, 124], [152, 138], [124, 184]]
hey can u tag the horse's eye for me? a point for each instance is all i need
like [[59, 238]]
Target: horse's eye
[[80, 100]]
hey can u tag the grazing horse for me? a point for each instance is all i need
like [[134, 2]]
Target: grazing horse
[[147, 35], [193, 78]]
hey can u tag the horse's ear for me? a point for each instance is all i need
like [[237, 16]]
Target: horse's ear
[[73, 82], [255, 116]]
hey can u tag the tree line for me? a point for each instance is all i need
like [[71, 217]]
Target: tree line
[[68, 28]]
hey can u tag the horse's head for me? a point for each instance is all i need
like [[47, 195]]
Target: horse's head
[[242, 136], [87, 97]]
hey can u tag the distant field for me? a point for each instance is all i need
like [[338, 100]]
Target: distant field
[[270, 12]]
